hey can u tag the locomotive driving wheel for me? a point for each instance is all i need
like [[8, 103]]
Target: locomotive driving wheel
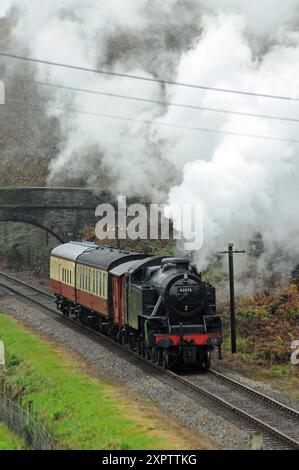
[[165, 359], [159, 357], [139, 348]]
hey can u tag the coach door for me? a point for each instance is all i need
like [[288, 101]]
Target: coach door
[[121, 286], [118, 300]]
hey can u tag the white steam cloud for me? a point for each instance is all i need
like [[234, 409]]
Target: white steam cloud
[[4, 7], [245, 184]]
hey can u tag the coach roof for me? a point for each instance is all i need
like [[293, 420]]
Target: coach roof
[[107, 257], [72, 250], [131, 267]]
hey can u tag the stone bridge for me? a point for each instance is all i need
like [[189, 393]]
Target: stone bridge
[[63, 212]]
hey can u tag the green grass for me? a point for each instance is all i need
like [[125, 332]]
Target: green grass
[[9, 441], [79, 411]]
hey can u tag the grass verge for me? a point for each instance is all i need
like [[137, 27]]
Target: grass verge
[[80, 411], [9, 441], [284, 377]]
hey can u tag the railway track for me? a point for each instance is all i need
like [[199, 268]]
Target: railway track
[[240, 404]]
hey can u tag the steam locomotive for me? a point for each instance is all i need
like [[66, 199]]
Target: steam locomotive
[[158, 306]]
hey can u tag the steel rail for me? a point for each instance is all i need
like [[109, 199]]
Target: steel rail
[[271, 401]]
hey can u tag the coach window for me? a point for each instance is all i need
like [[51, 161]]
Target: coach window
[[100, 283], [105, 284]]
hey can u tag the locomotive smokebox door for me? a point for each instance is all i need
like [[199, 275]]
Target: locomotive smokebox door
[[189, 354]]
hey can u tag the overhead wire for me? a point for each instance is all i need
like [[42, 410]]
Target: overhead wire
[[146, 79]]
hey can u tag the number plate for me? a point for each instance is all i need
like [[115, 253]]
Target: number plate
[[185, 290]]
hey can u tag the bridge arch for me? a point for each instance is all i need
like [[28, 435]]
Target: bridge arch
[[65, 213], [35, 224]]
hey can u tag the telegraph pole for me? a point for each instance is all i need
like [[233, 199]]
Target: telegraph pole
[[230, 253]]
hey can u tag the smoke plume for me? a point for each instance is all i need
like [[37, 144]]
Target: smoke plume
[[246, 185]]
